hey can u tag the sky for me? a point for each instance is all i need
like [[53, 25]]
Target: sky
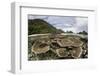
[[65, 23]]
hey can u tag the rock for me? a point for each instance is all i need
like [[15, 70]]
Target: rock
[[60, 45], [40, 47], [70, 41], [76, 52], [61, 52]]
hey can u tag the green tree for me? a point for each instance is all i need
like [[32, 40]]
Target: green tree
[[83, 32]]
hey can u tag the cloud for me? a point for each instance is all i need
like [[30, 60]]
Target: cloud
[[61, 20], [36, 17], [81, 21], [81, 24], [77, 24]]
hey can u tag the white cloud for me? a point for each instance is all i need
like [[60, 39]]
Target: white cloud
[[81, 24], [66, 27], [76, 25], [81, 21], [35, 17], [70, 29]]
